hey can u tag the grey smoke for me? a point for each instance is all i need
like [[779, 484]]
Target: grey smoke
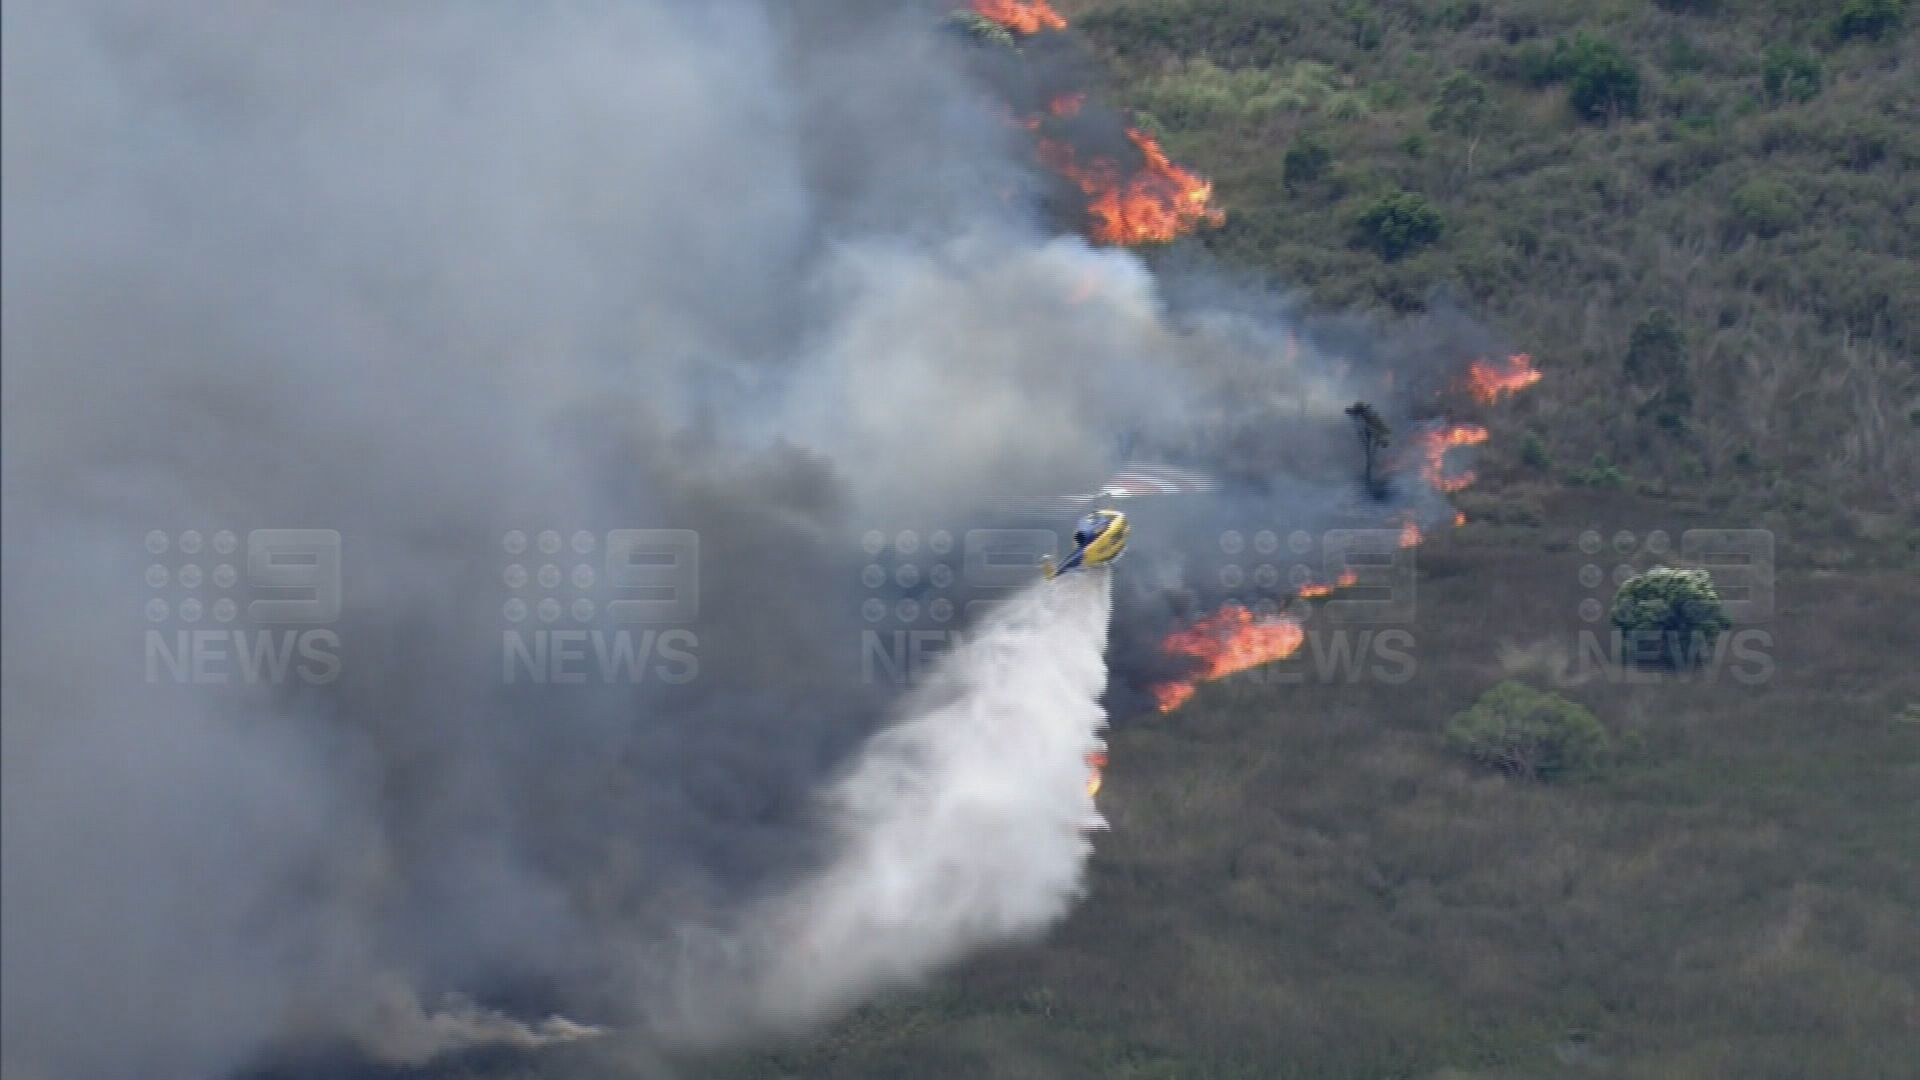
[[424, 275]]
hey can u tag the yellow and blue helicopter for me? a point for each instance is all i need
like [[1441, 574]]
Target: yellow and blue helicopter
[[1099, 539]]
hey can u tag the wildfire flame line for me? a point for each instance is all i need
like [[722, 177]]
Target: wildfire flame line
[[1316, 591], [1227, 642], [1436, 443], [1233, 640], [1021, 16], [1155, 205], [1488, 381]]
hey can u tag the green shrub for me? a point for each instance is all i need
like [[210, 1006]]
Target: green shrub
[[1600, 474], [1862, 144], [1460, 14], [1603, 81], [1529, 733], [1398, 224], [1765, 207], [1683, 56], [1656, 351], [1533, 452], [1668, 616], [1656, 360], [1201, 93], [1791, 74], [1462, 106], [1228, 33], [1868, 18], [1364, 25], [1306, 160], [980, 29]]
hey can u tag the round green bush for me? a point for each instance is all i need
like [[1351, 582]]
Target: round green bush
[[1398, 224], [1668, 616], [1529, 733]]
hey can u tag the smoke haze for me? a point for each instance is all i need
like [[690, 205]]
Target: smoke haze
[[428, 275]]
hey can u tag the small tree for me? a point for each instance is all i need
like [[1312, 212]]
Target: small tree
[[1399, 223], [1462, 105], [980, 28], [1462, 108], [1765, 207], [1602, 81], [1868, 18], [1791, 74], [1305, 161], [1656, 352], [1529, 733], [1668, 616], [1656, 362]]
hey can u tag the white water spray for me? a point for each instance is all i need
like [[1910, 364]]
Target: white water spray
[[963, 825]]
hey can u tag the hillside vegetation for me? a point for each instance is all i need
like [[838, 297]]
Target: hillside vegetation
[[1702, 217]]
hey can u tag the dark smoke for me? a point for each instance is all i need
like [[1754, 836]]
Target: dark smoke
[[426, 275]]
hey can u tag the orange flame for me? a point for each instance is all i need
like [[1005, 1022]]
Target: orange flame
[[1021, 16], [1437, 443], [1096, 772], [1067, 106], [1314, 592], [1487, 381], [1459, 518], [1155, 206], [1227, 642], [1410, 535]]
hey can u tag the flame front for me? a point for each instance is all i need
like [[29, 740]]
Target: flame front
[[1488, 381], [1156, 205], [1316, 591], [1096, 772], [1021, 16], [1436, 443], [1227, 642]]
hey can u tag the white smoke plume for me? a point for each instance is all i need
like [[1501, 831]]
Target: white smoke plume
[[771, 273]]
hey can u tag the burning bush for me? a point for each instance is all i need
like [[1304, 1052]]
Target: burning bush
[[1668, 616], [1528, 733]]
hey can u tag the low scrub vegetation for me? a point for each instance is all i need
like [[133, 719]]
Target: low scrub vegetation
[[1529, 733]]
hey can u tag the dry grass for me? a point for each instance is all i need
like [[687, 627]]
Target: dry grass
[[1301, 882]]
